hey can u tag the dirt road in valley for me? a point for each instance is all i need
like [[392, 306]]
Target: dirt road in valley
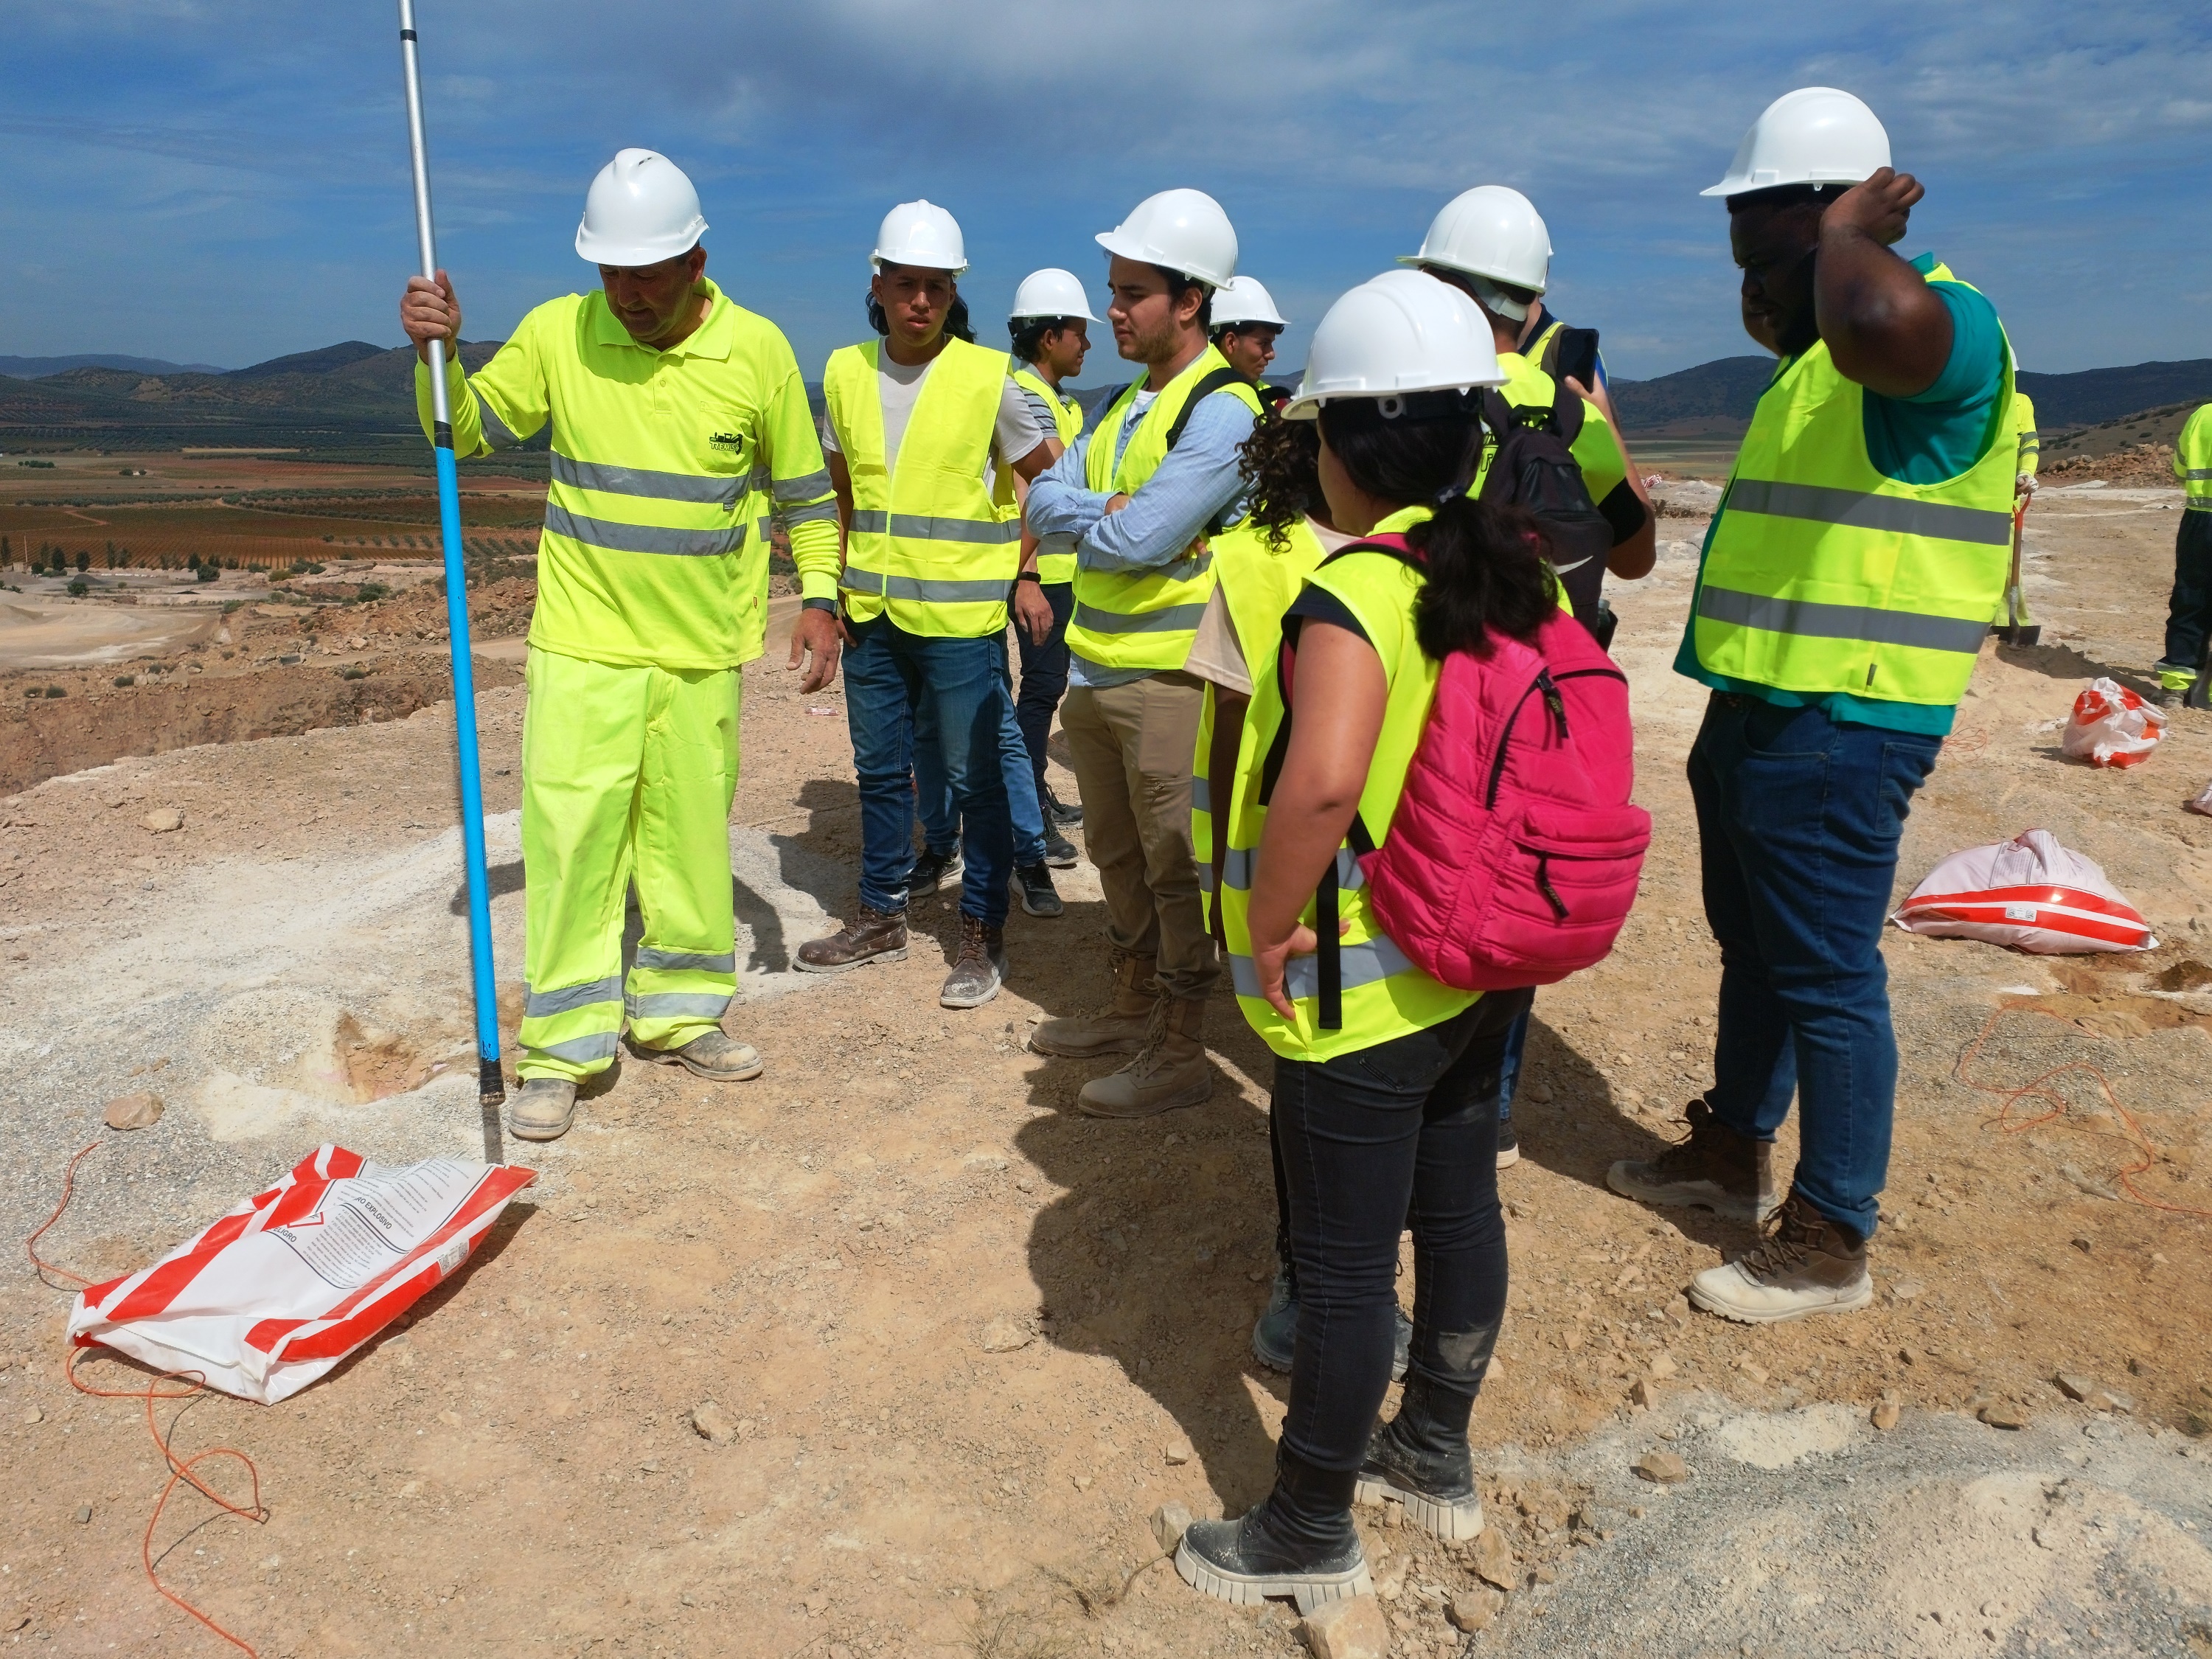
[[971, 1340]]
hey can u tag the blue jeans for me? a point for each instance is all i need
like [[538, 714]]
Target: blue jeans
[[897, 684], [1799, 818], [1044, 677], [932, 797]]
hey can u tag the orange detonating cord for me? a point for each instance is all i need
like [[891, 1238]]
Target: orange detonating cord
[[180, 1469], [2146, 1149]]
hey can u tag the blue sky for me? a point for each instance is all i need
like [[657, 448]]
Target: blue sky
[[225, 182]]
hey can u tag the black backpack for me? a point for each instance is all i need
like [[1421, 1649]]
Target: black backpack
[[1535, 470]]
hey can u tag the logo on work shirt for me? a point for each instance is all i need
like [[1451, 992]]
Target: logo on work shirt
[[731, 443]]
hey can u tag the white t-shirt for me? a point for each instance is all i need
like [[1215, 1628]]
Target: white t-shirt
[[1217, 654], [899, 385]]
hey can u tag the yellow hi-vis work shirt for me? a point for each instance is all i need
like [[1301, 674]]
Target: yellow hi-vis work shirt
[[666, 467]]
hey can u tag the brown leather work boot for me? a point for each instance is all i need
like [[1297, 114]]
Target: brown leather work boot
[[1169, 1071], [975, 976], [1119, 1028], [1715, 1168], [1806, 1264], [870, 936]]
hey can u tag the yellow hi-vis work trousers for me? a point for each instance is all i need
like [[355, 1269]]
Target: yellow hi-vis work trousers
[[627, 773]]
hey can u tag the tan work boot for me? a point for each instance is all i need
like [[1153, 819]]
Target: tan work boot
[[711, 1054], [1806, 1264], [1169, 1071], [1713, 1168], [1119, 1028], [541, 1109]]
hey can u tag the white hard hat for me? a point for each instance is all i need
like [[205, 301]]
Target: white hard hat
[[1490, 231], [1244, 300], [919, 234], [1051, 292], [1399, 332], [1814, 135], [640, 211], [1184, 230]]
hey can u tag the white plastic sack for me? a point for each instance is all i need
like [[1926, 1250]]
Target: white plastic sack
[[2111, 725], [292, 1280], [2030, 893]]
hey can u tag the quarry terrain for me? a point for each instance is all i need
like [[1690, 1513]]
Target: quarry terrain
[[957, 1346]]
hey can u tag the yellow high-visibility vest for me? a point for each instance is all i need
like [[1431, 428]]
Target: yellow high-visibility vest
[[663, 464], [1383, 995], [1144, 619], [1068, 423], [927, 545], [1259, 583], [2031, 443], [1825, 576], [2192, 458]]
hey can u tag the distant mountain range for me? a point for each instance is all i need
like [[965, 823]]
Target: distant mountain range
[[1716, 399], [31, 368], [357, 397]]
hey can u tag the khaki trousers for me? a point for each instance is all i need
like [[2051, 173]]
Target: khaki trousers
[[1132, 747]]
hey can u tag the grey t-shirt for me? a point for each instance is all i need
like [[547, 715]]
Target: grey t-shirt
[[899, 385]]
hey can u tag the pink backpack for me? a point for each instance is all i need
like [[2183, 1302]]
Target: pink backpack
[[1514, 855]]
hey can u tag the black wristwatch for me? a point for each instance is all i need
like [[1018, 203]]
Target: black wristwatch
[[830, 605], [1030, 576]]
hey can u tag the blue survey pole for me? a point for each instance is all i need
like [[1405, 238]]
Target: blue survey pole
[[490, 1089]]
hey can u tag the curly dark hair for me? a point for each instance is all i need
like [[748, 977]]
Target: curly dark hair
[[1281, 464]]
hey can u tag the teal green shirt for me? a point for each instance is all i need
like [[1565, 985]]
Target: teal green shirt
[[1930, 436]]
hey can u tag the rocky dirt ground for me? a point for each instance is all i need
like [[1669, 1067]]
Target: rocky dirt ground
[[966, 1342]]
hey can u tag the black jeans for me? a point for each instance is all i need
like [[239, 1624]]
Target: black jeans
[[2189, 613], [1044, 677], [1405, 1132]]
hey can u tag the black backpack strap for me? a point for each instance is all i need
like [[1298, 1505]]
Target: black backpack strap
[[1567, 411], [1328, 952], [1208, 385]]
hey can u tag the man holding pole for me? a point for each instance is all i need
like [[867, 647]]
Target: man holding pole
[[672, 410]]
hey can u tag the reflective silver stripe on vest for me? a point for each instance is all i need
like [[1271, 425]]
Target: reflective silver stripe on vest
[[678, 962], [579, 1051], [788, 516], [2199, 472], [544, 1005], [1863, 510], [928, 593], [1237, 862], [643, 537], [496, 431], [1201, 795], [914, 527], [1378, 958], [1811, 619], [675, 1004], [799, 489], [1175, 618], [706, 489]]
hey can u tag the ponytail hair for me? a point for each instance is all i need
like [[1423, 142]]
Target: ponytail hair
[[1485, 567]]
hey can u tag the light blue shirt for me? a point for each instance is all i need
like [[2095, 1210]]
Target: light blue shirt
[[1197, 481]]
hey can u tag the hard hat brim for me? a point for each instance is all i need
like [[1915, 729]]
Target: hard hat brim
[[1130, 248], [1423, 261], [1306, 405], [631, 256]]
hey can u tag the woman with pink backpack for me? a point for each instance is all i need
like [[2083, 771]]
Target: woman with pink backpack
[[1428, 817]]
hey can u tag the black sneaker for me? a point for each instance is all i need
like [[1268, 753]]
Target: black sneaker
[[1275, 1336], [1060, 811], [1059, 851], [1035, 882], [1508, 1144], [930, 868]]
